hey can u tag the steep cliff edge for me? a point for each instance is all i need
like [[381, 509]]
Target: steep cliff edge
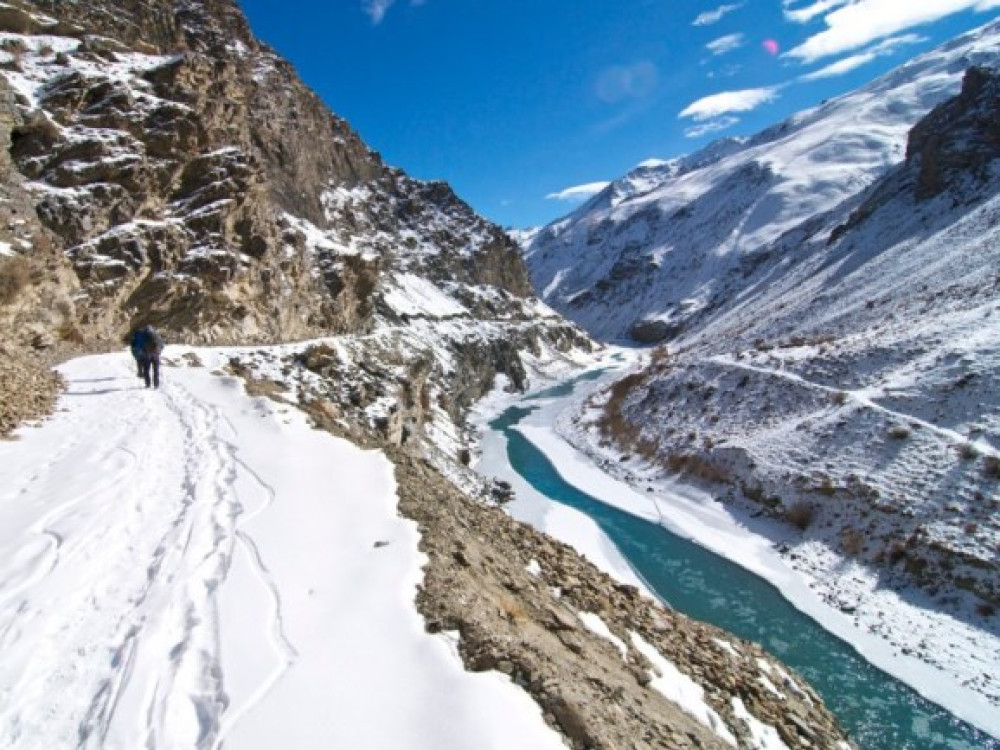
[[194, 181]]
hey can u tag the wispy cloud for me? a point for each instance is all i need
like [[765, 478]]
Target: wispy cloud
[[714, 16], [745, 100], [850, 27], [621, 82], [726, 71], [376, 9], [711, 126], [725, 44], [847, 64], [578, 192], [809, 12]]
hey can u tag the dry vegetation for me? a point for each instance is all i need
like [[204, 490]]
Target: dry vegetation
[[801, 515], [15, 275]]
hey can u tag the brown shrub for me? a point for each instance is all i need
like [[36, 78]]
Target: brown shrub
[[853, 541], [898, 432], [967, 451], [986, 609], [660, 358], [801, 515], [15, 275], [826, 486], [613, 423], [684, 463], [896, 552]]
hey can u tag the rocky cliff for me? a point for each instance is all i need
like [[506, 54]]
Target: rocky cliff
[[192, 180], [164, 166]]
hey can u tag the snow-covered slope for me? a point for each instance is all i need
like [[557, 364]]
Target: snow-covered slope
[[666, 243], [160, 586], [843, 386]]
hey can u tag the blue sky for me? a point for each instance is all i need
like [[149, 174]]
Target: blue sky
[[527, 106]]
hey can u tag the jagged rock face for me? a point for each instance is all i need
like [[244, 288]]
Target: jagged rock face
[[961, 136], [195, 182]]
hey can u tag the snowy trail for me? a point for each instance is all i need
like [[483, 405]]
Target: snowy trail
[[193, 568], [865, 398]]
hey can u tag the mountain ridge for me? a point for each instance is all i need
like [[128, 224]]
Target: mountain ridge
[[664, 249]]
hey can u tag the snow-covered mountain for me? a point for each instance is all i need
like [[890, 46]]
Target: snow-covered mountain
[[831, 288], [668, 243]]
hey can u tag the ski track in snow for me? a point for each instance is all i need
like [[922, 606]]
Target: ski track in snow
[[139, 609]]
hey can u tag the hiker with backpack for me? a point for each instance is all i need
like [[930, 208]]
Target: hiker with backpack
[[146, 346]]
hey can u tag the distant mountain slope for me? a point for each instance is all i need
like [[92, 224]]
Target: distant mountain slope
[[841, 380], [666, 244]]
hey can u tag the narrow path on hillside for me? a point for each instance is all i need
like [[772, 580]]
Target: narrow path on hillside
[[194, 568], [861, 397]]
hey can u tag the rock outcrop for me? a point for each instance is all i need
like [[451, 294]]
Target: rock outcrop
[[195, 182]]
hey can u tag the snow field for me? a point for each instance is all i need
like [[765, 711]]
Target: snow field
[[193, 568]]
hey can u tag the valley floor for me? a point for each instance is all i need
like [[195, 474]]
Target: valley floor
[[897, 631], [189, 567]]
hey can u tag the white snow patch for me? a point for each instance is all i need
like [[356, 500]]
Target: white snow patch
[[597, 626], [726, 646], [412, 295], [763, 736], [677, 687]]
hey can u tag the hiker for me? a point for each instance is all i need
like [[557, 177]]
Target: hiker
[[146, 346]]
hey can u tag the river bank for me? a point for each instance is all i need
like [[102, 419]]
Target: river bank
[[894, 648]]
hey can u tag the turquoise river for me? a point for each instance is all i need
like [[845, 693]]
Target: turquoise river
[[880, 712]]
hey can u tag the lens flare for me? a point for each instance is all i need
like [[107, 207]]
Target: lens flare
[[771, 46]]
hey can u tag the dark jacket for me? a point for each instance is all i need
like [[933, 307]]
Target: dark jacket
[[146, 343]]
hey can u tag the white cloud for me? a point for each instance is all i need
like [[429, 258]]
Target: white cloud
[[745, 100], [808, 13], [712, 126], [621, 82], [725, 44], [853, 26], [839, 68], [848, 64], [714, 16], [376, 9], [579, 192]]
